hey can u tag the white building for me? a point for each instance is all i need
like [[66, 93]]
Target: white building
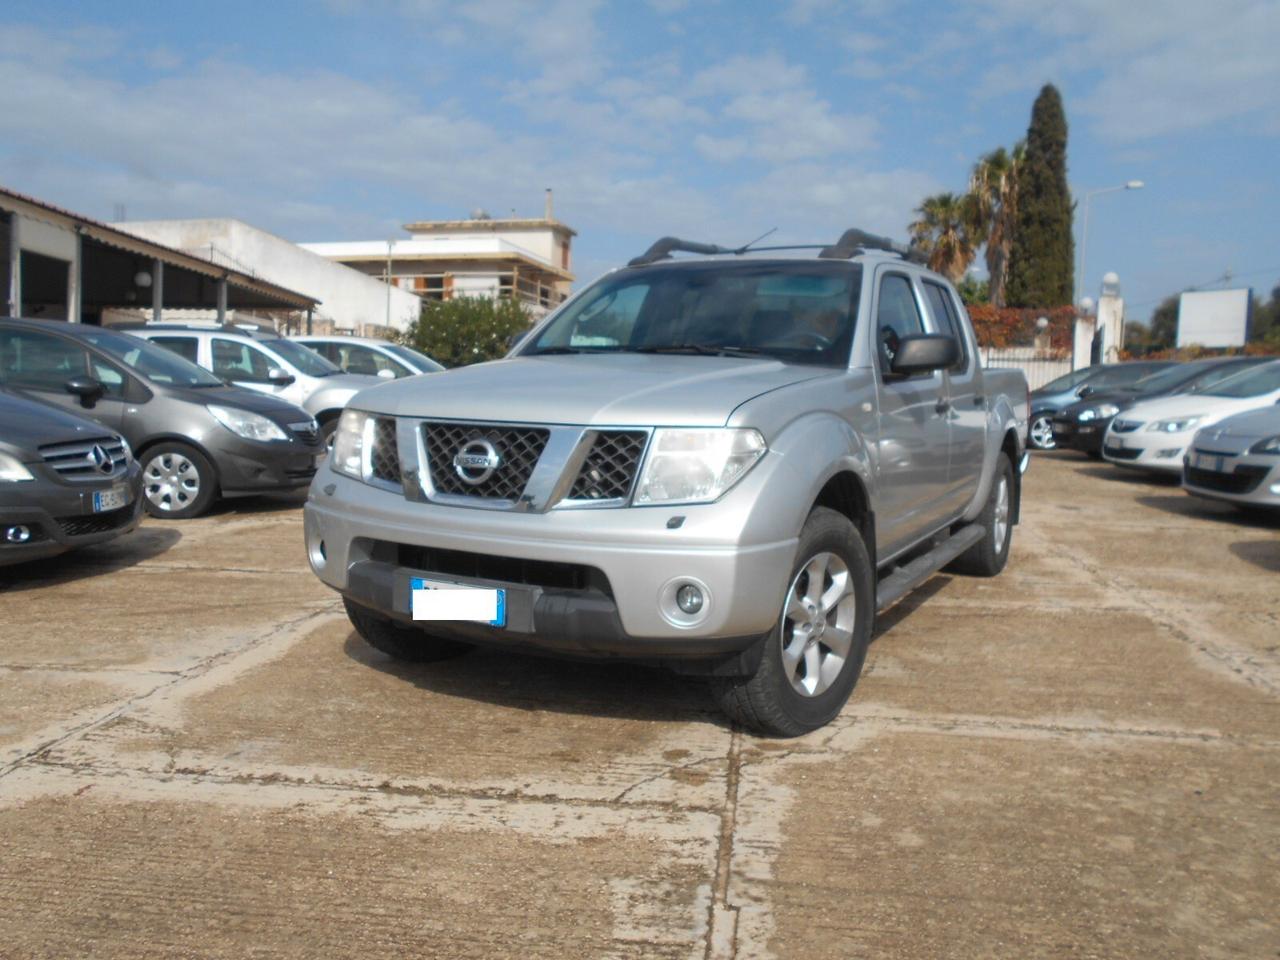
[[529, 259], [349, 300]]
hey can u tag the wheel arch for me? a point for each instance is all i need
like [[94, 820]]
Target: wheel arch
[[846, 494]]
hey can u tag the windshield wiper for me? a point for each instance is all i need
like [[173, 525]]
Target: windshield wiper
[[701, 349], [554, 351]]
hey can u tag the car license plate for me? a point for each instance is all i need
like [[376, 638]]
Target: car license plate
[[113, 499], [1204, 461], [437, 600]]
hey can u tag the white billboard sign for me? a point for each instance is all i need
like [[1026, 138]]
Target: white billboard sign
[[1213, 318]]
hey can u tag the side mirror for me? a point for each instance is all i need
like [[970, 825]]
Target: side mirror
[[386, 374], [89, 390], [279, 378], [1084, 392], [924, 353]]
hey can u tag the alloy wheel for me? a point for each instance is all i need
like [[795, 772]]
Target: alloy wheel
[[817, 624]]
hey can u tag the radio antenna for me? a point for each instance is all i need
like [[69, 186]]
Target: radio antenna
[[743, 249]]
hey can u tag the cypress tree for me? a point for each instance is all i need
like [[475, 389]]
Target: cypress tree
[[1041, 260]]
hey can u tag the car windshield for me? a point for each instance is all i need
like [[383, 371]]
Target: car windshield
[[797, 312], [1251, 383], [1168, 379], [303, 358], [1068, 380], [419, 360], [154, 363]]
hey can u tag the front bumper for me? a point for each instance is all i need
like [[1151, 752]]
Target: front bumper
[[246, 466], [1084, 436], [1235, 477], [59, 516], [1156, 452], [364, 542]]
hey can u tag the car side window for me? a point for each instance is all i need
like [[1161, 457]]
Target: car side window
[[897, 316], [186, 347], [362, 359], [39, 361], [239, 361], [943, 310]]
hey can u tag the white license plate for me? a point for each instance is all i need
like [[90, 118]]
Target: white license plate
[[437, 600], [113, 499], [1205, 462]]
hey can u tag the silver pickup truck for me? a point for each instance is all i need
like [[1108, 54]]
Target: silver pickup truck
[[725, 463]]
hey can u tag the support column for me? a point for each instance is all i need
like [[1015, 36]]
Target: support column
[[74, 274], [15, 268], [157, 291], [309, 311], [222, 300]]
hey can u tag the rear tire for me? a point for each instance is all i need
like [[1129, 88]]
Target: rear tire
[[987, 557], [814, 654], [399, 642]]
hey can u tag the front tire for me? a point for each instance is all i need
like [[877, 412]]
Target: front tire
[[178, 481], [987, 557], [1040, 433], [400, 642], [814, 654]]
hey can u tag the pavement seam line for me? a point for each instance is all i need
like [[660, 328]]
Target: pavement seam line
[[196, 670], [722, 916]]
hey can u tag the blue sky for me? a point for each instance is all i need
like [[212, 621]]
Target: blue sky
[[712, 120]]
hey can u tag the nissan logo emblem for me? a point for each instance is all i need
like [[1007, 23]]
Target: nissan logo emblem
[[475, 461], [100, 459]]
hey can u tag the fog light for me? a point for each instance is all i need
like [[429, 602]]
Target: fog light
[[1169, 453], [20, 534], [689, 599]]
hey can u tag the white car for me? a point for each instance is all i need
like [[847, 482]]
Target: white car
[[1155, 435], [1238, 460], [370, 356]]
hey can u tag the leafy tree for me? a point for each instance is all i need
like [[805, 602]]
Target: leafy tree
[[1164, 324], [949, 231], [1041, 272], [466, 330], [973, 291], [994, 187]]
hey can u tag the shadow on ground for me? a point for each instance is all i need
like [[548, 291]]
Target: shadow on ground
[[257, 504], [145, 543], [1260, 553], [504, 678], [1199, 509], [1103, 472]]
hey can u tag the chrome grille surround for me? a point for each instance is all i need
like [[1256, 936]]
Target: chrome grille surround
[[611, 466], [519, 448], [1124, 426], [384, 455], [76, 460]]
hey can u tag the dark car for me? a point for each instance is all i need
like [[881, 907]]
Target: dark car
[[1082, 425], [64, 481], [195, 436], [1046, 401]]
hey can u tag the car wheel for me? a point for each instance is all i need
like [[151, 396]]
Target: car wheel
[[813, 655], [327, 430], [400, 642], [178, 481], [1040, 434], [987, 557]]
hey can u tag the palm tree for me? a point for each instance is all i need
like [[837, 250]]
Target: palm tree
[[993, 186], [949, 232]]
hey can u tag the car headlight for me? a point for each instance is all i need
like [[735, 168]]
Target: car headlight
[[245, 424], [13, 470], [1270, 445], [349, 443], [1176, 425], [697, 465], [1099, 412]]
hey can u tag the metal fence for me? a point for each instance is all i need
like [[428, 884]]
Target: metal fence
[[1040, 366]]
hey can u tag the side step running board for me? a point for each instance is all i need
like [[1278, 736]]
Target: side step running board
[[904, 579]]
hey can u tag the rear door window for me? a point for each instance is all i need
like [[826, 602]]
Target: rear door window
[[945, 320], [186, 347], [233, 360]]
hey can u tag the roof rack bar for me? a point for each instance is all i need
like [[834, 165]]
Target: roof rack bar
[[853, 240], [663, 248]]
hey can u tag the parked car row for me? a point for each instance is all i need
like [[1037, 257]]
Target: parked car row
[[1215, 423], [99, 424]]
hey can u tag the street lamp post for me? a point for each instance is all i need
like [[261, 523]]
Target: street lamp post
[[1084, 230]]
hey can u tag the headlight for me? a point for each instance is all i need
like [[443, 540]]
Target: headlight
[[697, 465], [13, 470], [1105, 410], [349, 443], [1270, 445], [251, 426], [1176, 425]]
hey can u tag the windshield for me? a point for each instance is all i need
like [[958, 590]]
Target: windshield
[[797, 312], [154, 363], [301, 358], [420, 360], [1068, 380], [1168, 379], [1251, 383]]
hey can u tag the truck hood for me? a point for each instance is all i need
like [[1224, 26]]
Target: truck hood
[[624, 389]]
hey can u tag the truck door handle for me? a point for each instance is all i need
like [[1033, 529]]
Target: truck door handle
[[942, 406], [979, 400]]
